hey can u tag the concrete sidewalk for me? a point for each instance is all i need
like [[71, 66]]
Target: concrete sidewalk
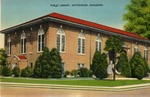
[[74, 87]]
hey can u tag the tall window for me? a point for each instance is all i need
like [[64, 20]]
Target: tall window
[[23, 43], [98, 43], [9, 45], [81, 43], [136, 48], [40, 39], [61, 40], [146, 53]]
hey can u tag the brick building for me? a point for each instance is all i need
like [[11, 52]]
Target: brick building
[[76, 40]]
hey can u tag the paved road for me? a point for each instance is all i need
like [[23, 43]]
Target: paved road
[[38, 92]]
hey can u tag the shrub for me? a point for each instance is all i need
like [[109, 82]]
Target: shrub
[[1, 69], [27, 72], [90, 73], [138, 60], [84, 72], [123, 65], [95, 61], [56, 72], [6, 71], [138, 72], [66, 73], [99, 65], [75, 73], [42, 65], [55, 63], [16, 71]]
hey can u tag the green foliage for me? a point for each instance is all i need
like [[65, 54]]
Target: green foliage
[[16, 71], [42, 65], [84, 72], [99, 65], [27, 72], [113, 46], [48, 64], [90, 72], [3, 57], [138, 72], [56, 72], [66, 73], [6, 71], [1, 69], [55, 63], [138, 60], [75, 73], [95, 61], [138, 17], [123, 65], [114, 43]]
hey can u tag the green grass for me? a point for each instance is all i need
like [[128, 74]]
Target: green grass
[[108, 83]]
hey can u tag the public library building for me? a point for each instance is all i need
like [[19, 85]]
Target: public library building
[[75, 39]]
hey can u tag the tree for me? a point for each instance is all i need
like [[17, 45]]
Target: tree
[[55, 63], [16, 71], [42, 67], [6, 71], [95, 61], [135, 61], [3, 57], [138, 17], [123, 65], [99, 65], [27, 72], [113, 46]]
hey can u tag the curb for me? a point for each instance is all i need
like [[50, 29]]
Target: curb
[[74, 87]]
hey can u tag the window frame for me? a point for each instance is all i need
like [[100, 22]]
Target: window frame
[[40, 40], [61, 40], [136, 48], [81, 43], [23, 43], [146, 53], [98, 43], [80, 65], [9, 46]]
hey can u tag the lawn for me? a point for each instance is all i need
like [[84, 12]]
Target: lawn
[[88, 82]]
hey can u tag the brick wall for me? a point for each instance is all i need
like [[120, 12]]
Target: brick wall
[[70, 56]]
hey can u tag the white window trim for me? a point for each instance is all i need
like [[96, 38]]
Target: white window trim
[[61, 32], [40, 33], [146, 49], [82, 36], [9, 46], [80, 65], [23, 37], [136, 47], [98, 39]]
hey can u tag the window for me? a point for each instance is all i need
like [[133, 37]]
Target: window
[[146, 53], [81, 43], [136, 48], [81, 65], [98, 43], [63, 67], [61, 40], [41, 39], [31, 65], [23, 43], [9, 45]]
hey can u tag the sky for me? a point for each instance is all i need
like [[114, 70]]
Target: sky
[[109, 12]]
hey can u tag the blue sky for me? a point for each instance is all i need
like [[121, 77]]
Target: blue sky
[[18, 11]]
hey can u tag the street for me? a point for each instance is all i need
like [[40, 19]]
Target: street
[[42, 92]]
